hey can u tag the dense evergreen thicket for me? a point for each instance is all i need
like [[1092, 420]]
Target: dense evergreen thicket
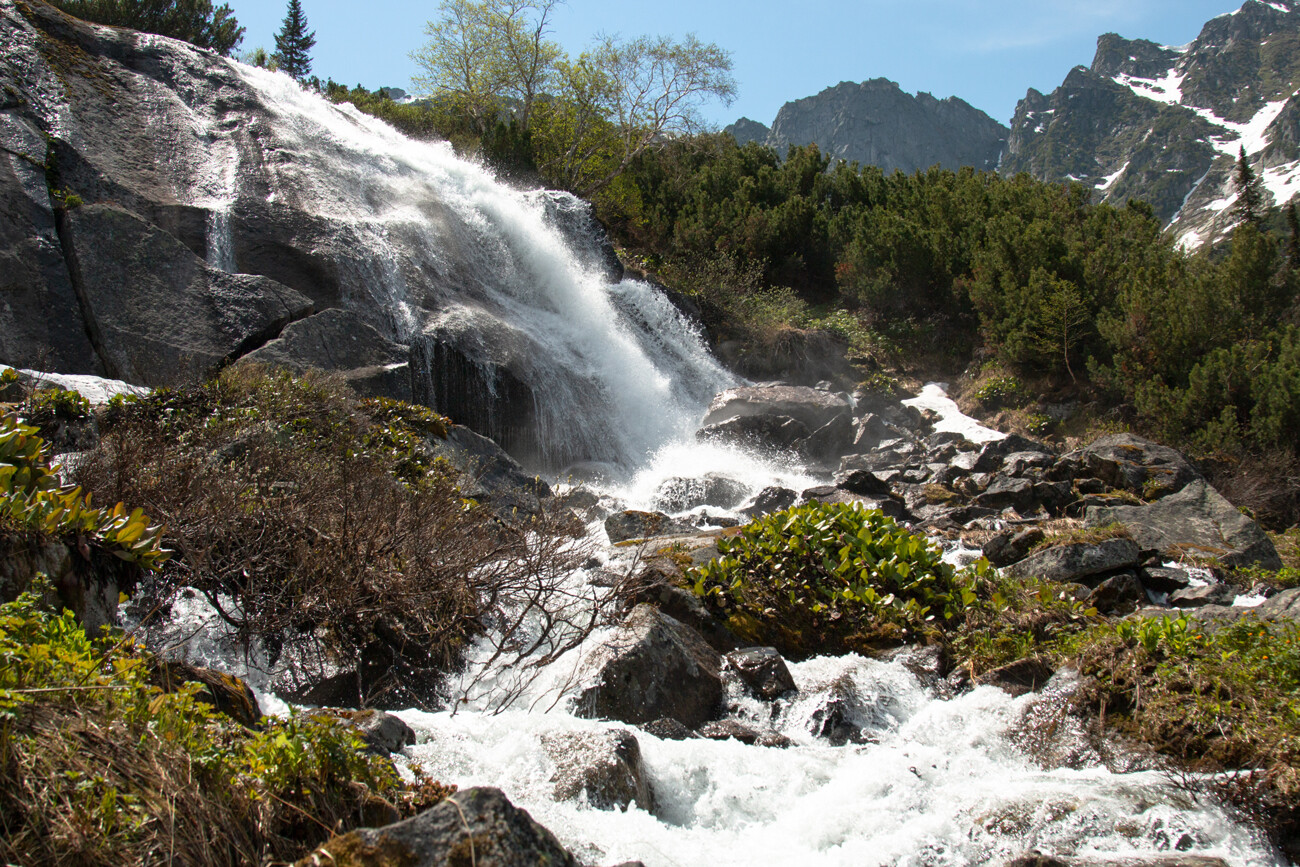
[[196, 21]]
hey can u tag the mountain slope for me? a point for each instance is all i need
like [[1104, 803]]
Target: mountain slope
[[877, 123], [1166, 124]]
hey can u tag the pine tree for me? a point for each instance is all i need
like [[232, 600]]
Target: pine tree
[[1293, 244], [1250, 201], [293, 43]]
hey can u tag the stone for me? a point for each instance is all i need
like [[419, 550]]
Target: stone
[[827, 443], [489, 474], [632, 524], [771, 499], [657, 585], [1132, 463], [810, 407], [1020, 677], [1078, 560], [652, 667], [222, 692], [863, 482], [762, 670], [730, 729], [603, 765], [1038, 859], [1194, 522], [1205, 594], [158, 314], [1119, 594], [1011, 545], [1163, 579], [769, 432], [473, 826], [1007, 493], [668, 729], [382, 731], [680, 494], [341, 341]]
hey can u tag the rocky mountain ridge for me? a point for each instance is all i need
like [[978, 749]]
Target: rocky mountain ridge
[[1160, 123], [877, 123]]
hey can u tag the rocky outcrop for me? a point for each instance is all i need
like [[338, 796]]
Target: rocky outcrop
[[604, 767], [1166, 124], [1071, 563], [652, 667], [875, 123], [474, 826], [1196, 522]]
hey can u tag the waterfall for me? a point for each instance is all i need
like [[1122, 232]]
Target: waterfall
[[503, 300]]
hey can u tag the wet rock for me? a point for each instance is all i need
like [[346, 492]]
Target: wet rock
[[1072, 562], [836, 719], [1164, 579], [341, 341], [656, 585], [632, 524], [1135, 464], [222, 692], [652, 667], [680, 494], [1011, 545], [729, 729], [772, 499], [1020, 677], [1038, 859], [762, 670], [811, 407], [825, 444], [668, 729], [380, 730], [1005, 492], [488, 474], [1206, 594], [606, 765], [777, 432], [1195, 521], [478, 826], [863, 482], [1118, 594]]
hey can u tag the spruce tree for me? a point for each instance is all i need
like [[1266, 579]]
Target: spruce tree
[[1293, 244], [1250, 201], [293, 43]]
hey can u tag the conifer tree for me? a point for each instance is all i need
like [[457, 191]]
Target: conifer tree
[[1250, 201], [293, 43], [1293, 244]]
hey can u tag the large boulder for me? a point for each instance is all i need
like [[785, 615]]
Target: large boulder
[[762, 670], [1135, 464], [340, 340], [652, 667], [157, 313], [811, 407], [682, 493], [604, 765], [1076, 561], [1194, 522], [634, 524], [490, 475], [474, 826]]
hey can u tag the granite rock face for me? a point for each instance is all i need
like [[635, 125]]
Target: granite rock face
[[877, 123]]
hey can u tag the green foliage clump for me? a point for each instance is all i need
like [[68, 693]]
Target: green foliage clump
[[825, 578], [33, 501], [102, 767], [1000, 392], [195, 21]]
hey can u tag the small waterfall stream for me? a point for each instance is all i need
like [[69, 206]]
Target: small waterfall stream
[[443, 252]]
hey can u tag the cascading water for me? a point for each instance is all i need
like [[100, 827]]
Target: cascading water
[[440, 254]]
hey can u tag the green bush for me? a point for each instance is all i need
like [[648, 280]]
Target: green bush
[[1002, 392], [100, 767], [825, 578]]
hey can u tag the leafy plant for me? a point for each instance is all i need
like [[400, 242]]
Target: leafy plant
[[1002, 391], [828, 577]]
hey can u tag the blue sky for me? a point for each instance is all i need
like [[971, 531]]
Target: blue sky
[[985, 51]]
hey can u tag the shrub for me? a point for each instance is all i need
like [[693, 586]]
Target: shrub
[[101, 767], [1000, 392], [327, 522], [824, 578]]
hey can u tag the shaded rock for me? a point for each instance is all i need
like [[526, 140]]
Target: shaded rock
[[825, 444], [762, 670], [837, 717], [159, 315], [1020, 677], [1011, 545], [1118, 594], [340, 340], [1206, 594], [632, 524], [652, 667], [478, 826], [1038, 859], [1195, 522], [1006, 492], [1163, 579], [772, 499], [1065, 563], [489, 474], [1135, 464], [656, 585], [1018, 464], [222, 692], [810, 407], [862, 482], [729, 729], [680, 494], [380, 730], [668, 729], [777, 432], [606, 765], [89, 584]]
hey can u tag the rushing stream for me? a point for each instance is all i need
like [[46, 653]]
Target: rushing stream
[[621, 379]]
